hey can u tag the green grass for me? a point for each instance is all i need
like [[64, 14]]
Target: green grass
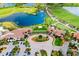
[[56, 53], [49, 21], [58, 42], [15, 42], [37, 28], [39, 31], [63, 27], [8, 11], [15, 50], [26, 43], [3, 42], [62, 14]]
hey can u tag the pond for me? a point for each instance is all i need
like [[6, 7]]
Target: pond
[[24, 19], [73, 10]]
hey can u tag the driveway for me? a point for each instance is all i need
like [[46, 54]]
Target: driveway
[[47, 45]]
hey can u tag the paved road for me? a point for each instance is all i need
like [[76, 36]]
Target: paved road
[[65, 48]]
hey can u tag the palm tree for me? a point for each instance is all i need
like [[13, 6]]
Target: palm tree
[[40, 36], [40, 6], [67, 35]]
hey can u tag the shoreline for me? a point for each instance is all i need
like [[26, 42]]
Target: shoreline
[[10, 11]]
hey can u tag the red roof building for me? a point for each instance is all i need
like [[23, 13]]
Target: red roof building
[[18, 33], [76, 35]]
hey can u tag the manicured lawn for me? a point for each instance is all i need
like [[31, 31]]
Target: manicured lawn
[[60, 26], [58, 42], [49, 21], [9, 25], [8, 11], [39, 31], [66, 16], [37, 28]]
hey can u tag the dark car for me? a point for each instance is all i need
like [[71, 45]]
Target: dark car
[[6, 53], [28, 53]]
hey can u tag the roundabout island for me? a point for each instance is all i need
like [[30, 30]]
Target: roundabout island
[[40, 38]]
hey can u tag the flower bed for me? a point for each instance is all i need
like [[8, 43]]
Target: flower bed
[[40, 38]]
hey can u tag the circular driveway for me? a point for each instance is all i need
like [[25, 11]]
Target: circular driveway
[[47, 45]]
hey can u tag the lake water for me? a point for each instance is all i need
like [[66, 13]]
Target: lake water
[[29, 4], [24, 19], [73, 10]]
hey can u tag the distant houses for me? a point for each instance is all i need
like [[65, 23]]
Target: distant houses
[[3, 5]]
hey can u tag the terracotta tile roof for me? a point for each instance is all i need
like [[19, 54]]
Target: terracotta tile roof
[[56, 31], [8, 35], [76, 35], [19, 33]]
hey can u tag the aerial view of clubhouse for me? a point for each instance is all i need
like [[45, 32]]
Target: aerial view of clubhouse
[[29, 29]]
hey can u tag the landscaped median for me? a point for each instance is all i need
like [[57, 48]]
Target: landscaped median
[[4, 12], [56, 53], [43, 53], [15, 50]]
